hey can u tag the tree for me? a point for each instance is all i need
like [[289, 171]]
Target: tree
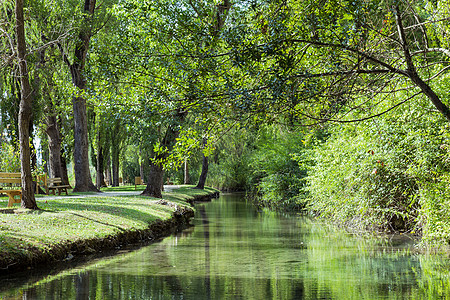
[[321, 62], [28, 200], [169, 52], [204, 173], [156, 175], [83, 180]]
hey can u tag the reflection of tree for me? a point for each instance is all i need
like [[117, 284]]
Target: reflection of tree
[[82, 285], [255, 256], [205, 224]]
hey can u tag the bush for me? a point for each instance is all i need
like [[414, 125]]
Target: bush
[[374, 175], [9, 158], [277, 180]]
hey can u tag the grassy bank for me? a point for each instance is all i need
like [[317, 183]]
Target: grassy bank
[[87, 223]]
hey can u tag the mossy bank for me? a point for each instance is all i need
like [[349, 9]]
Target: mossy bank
[[66, 227]]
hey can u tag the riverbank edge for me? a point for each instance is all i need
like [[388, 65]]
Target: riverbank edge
[[33, 257]]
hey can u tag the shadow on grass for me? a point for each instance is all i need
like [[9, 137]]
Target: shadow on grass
[[116, 210]]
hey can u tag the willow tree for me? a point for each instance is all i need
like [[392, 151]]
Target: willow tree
[[28, 200]]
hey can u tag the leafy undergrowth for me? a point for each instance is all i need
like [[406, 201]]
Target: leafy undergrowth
[[73, 219]]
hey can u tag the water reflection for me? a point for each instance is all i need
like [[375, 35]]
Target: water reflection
[[236, 252]]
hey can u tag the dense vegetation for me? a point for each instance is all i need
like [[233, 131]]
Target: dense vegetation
[[337, 108]]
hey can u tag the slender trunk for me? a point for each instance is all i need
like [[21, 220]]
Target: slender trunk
[[100, 179], [187, 179], [45, 158], [108, 170], [141, 165], [115, 151], [54, 146], [64, 172], [28, 200], [115, 167], [204, 174], [141, 171], [33, 155]]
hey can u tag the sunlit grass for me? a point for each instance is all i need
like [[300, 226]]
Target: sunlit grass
[[77, 217]]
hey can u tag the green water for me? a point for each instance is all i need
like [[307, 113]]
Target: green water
[[236, 252]]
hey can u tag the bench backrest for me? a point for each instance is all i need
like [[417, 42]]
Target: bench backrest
[[138, 180], [54, 181], [10, 178]]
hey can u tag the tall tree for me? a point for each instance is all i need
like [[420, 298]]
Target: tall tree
[[28, 200], [83, 180]]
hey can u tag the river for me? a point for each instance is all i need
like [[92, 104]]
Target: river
[[237, 252]]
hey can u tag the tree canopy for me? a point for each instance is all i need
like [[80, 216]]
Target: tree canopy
[[272, 85]]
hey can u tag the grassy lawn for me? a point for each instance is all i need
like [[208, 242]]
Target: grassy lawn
[[79, 217]]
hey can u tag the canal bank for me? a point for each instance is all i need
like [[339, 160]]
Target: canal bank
[[69, 227], [236, 251]]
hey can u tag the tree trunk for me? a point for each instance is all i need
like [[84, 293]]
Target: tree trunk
[[116, 140], [100, 179], [141, 165], [64, 173], [28, 200], [115, 166], [54, 146], [155, 179], [187, 179], [204, 174], [141, 171], [108, 169], [83, 180], [45, 158]]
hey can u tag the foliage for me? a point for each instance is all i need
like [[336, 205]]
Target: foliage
[[230, 164], [373, 175], [9, 158], [277, 178]]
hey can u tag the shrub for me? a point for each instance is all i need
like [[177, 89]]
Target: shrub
[[9, 158], [373, 175]]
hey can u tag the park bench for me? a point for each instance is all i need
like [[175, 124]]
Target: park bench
[[12, 192], [138, 181], [56, 184], [52, 184]]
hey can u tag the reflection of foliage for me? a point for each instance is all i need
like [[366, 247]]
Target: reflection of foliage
[[274, 257]]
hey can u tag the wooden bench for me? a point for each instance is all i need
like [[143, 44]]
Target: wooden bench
[[137, 181], [52, 184], [56, 184], [11, 179]]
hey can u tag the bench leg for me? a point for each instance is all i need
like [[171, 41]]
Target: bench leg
[[13, 200]]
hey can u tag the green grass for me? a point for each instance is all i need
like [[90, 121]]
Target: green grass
[[71, 219], [123, 188]]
